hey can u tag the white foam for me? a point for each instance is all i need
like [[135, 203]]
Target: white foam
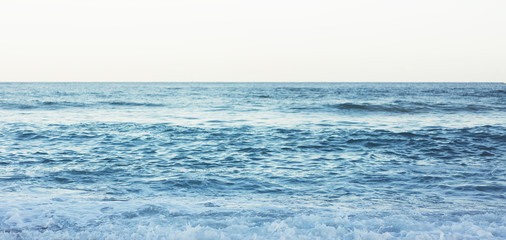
[[64, 214], [298, 227]]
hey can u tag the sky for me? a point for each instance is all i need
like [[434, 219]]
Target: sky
[[253, 40]]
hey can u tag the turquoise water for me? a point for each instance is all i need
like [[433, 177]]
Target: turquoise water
[[252, 161]]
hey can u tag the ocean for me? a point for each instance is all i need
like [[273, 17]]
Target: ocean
[[252, 161]]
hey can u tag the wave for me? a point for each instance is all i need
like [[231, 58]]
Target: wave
[[411, 107], [372, 107], [45, 105], [56, 105], [133, 104]]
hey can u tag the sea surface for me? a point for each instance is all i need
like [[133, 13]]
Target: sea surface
[[252, 161]]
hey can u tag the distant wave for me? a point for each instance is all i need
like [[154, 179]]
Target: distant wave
[[371, 107], [17, 106], [498, 91], [409, 107], [346, 107], [40, 105], [134, 104], [48, 105]]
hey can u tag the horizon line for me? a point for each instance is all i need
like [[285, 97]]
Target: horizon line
[[247, 82]]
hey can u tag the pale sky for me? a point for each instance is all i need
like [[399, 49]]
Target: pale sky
[[253, 40]]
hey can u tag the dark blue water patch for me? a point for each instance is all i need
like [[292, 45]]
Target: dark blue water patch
[[57, 105], [42, 105], [132, 104], [67, 93], [63, 180], [370, 107], [26, 135], [60, 103], [203, 185], [16, 106], [483, 188]]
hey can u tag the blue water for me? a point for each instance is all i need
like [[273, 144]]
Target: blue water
[[252, 161]]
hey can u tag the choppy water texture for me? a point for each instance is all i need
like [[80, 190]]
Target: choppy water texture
[[252, 161]]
